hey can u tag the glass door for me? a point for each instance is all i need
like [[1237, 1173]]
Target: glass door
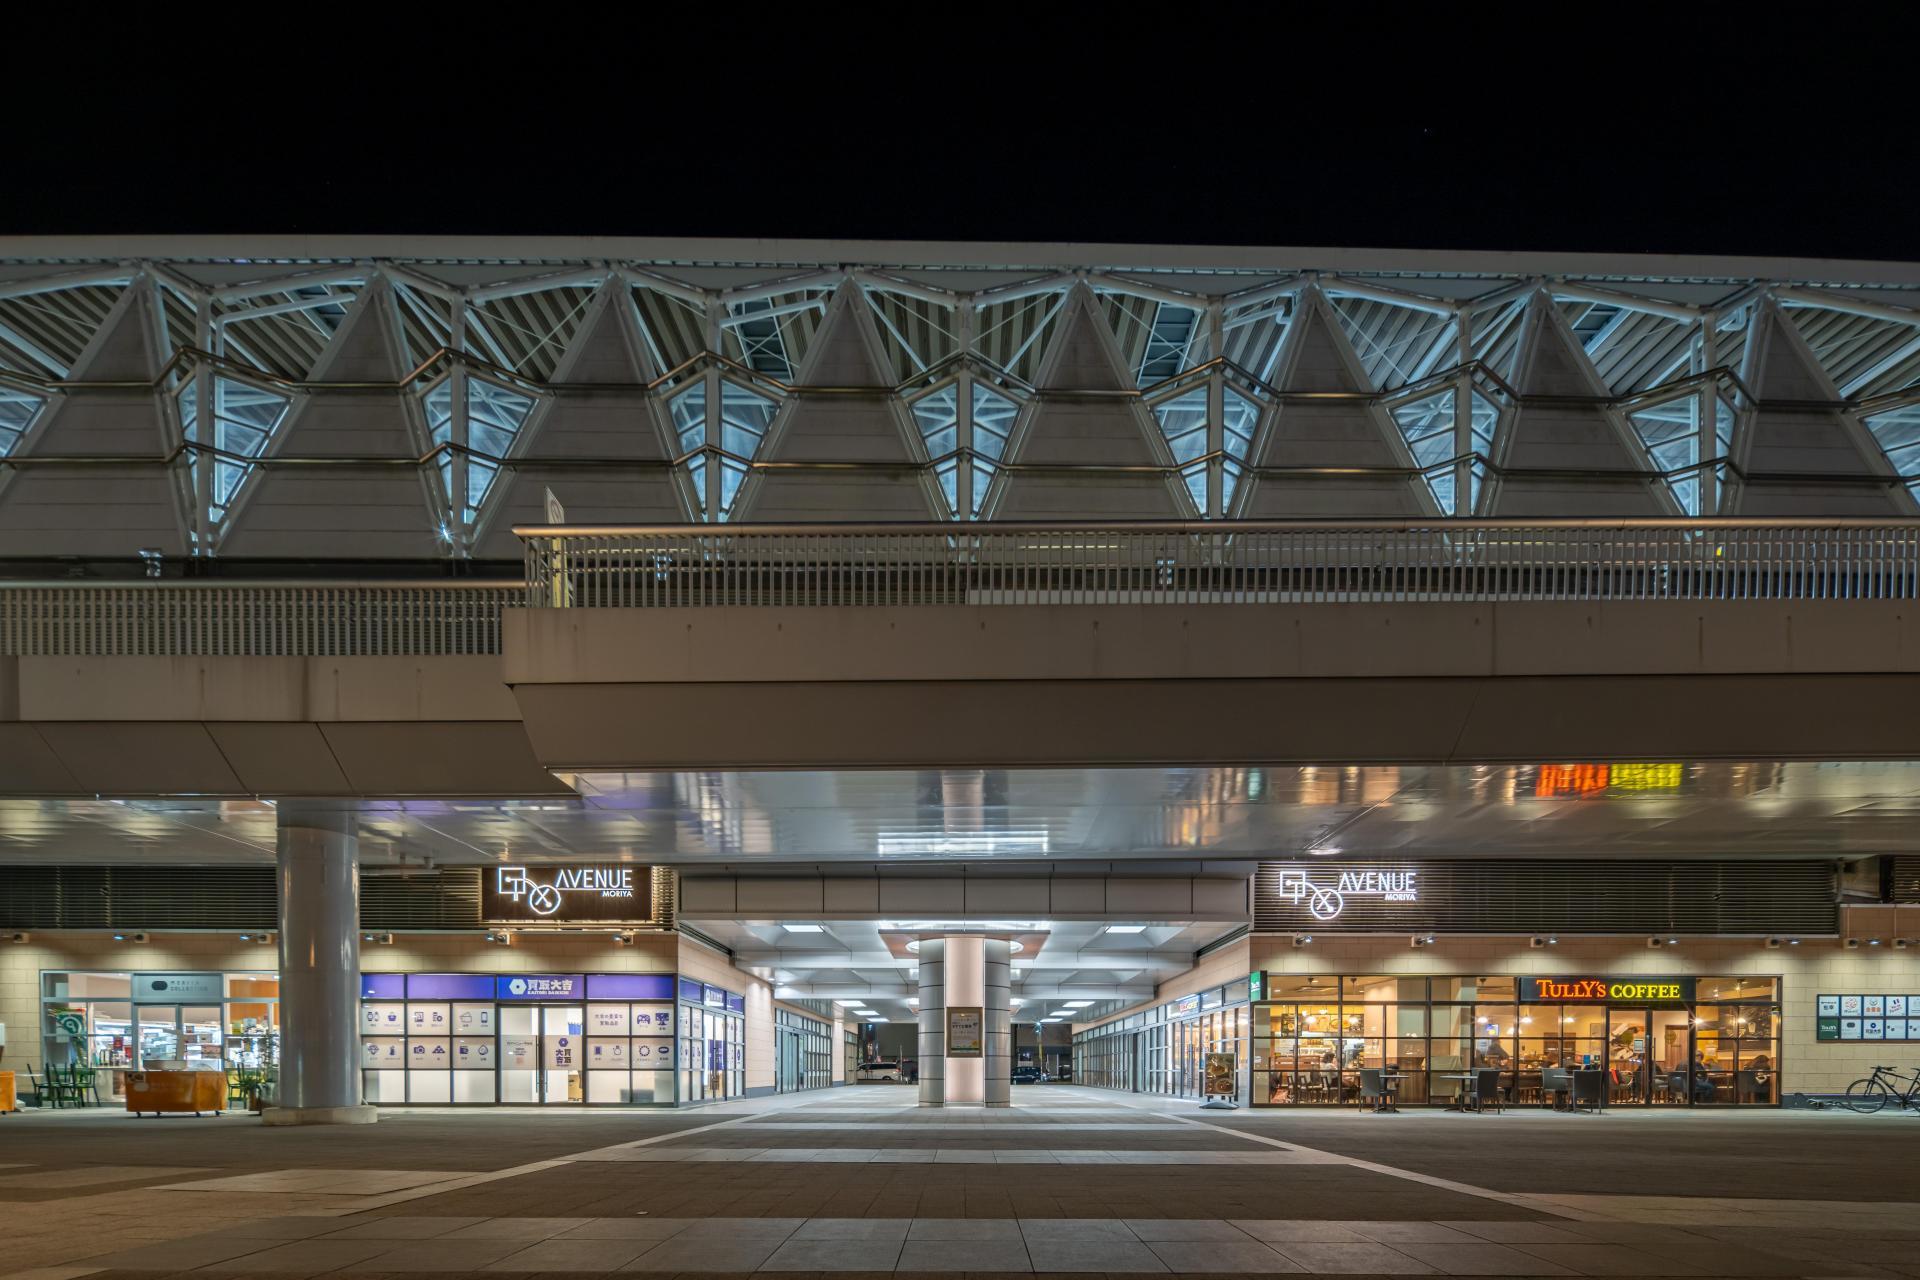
[[1629, 1057], [201, 1038], [519, 1054], [561, 1051], [158, 1035]]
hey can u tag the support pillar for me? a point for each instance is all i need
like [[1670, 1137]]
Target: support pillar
[[963, 971], [319, 883], [933, 1022]]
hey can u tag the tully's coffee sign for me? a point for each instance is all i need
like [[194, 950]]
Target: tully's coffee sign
[[1580, 989], [567, 895]]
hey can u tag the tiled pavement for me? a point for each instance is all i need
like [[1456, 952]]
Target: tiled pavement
[[853, 1183]]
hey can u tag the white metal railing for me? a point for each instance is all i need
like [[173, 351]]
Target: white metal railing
[[1233, 563], [253, 619]]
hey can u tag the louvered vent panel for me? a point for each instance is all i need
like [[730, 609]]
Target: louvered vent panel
[[1541, 896]]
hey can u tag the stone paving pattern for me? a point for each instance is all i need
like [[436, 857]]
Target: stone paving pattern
[[856, 1182]]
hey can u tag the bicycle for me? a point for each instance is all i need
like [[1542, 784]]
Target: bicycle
[[1868, 1096]]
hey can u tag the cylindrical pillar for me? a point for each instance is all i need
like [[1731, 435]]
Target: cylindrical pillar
[[319, 860], [933, 1022], [996, 952]]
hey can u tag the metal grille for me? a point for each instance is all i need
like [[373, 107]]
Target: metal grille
[[446, 899], [1240, 563], [243, 898], [253, 620], [1903, 879], [1572, 897]]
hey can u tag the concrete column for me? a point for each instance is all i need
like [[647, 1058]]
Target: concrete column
[[319, 854], [933, 1022]]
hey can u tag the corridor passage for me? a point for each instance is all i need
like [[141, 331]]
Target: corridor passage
[[862, 1180]]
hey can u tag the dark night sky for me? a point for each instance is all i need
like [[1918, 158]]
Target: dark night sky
[[1652, 134]]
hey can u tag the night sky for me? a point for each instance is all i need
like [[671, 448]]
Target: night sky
[[1640, 132]]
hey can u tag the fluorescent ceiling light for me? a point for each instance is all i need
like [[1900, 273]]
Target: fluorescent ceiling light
[[1017, 1003], [913, 999], [959, 844], [846, 1004], [1056, 1018], [1076, 1004], [1126, 928], [803, 928], [877, 1018]]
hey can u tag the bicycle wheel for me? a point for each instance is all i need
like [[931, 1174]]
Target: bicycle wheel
[[1866, 1096]]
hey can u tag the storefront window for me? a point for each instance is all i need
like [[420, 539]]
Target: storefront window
[[1722, 1048], [199, 1021]]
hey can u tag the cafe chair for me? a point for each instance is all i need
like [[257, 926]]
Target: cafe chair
[[1555, 1086], [1486, 1089], [1373, 1088], [1589, 1091]]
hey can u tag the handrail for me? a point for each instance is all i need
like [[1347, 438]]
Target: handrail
[[1230, 562], [219, 618]]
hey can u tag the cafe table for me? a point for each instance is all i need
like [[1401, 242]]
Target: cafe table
[[1390, 1080], [1465, 1078]]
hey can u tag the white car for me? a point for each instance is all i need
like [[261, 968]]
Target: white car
[[879, 1073]]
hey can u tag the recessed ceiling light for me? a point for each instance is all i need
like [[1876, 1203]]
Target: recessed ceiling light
[[1126, 928], [803, 928], [1076, 1004], [1054, 1019], [878, 1018], [846, 1004]]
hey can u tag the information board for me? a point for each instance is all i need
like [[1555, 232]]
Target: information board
[[1879, 1016], [966, 1032]]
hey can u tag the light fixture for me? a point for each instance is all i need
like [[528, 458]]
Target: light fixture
[[877, 1018], [803, 928], [913, 999], [846, 1004], [140, 938], [1873, 942], [1077, 1004], [1126, 928], [1900, 944], [624, 938], [1302, 939], [1526, 1019], [1851, 944], [1016, 1003], [1421, 940], [1772, 944], [502, 937], [1055, 1018]]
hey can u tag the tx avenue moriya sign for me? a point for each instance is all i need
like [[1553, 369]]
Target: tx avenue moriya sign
[[1325, 893], [567, 895]]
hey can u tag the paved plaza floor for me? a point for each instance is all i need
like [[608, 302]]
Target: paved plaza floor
[[1068, 1181]]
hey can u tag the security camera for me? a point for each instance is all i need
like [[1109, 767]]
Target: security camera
[[624, 938], [1542, 942], [380, 939], [1420, 940]]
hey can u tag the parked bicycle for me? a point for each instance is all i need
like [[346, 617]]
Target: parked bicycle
[[1884, 1085]]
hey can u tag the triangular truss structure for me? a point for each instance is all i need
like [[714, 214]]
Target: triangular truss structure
[[422, 407]]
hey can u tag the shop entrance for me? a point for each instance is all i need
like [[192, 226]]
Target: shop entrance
[[542, 1048], [1647, 1055], [178, 1033]]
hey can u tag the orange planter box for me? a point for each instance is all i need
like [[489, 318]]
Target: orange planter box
[[163, 1091], [8, 1102]]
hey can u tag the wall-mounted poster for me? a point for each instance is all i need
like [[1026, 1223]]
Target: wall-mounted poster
[[1844, 1017], [1849, 1006], [1828, 1007], [966, 1031]]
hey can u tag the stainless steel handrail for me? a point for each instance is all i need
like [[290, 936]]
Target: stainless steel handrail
[[1239, 562], [253, 619]]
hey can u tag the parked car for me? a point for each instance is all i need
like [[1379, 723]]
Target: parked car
[[880, 1073], [1028, 1075]]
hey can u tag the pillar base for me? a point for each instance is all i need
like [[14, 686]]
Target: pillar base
[[320, 1115]]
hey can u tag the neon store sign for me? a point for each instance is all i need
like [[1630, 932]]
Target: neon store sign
[[1606, 990]]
